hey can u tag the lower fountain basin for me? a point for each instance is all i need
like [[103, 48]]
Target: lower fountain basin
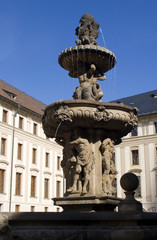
[[63, 116]]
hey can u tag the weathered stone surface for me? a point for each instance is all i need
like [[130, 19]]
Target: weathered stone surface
[[88, 131], [78, 59], [81, 226], [87, 31], [129, 182], [87, 128]]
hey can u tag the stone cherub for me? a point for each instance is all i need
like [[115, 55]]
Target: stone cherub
[[108, 168], [83, 160], [89, 89], [88, 31]]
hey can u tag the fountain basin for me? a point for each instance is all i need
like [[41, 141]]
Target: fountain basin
[[79, 57], [63, 116]]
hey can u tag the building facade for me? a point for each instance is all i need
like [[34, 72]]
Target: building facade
[[30, 172], [138, 151]]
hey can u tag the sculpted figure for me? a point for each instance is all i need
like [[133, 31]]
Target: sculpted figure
[[83, 159], [108, 168], [88, 31], [89, 89]]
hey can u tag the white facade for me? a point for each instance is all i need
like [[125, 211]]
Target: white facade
[[144, 165], [18, 191]]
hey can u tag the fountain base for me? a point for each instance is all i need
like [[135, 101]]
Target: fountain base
[[87, 204]]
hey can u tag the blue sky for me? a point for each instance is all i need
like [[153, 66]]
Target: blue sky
[[34, 32]]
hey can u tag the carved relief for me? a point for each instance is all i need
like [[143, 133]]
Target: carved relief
[[101, 114], [108, 168], [82, 161], [62, 114]]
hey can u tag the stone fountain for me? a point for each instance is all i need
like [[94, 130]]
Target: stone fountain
[[86, 127]]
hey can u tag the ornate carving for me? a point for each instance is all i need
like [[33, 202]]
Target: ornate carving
[[82, 160], [133, 117], [62, 114], [108, 168], [89, 89], [101, 114], [88, 31]]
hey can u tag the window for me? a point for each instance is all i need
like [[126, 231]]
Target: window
[[2, 172], [20, 122], [4, 118], [33, 186], [155, 124], [134, 131], [135, 157], [58, 163], [19, 151], [46, 209], [17, 208], [18, 184], [10, 94], [138, 190], [58, 189], [32, 208], [34, 156], [35, 128], [47, 159], [46, 188], [3, 146]]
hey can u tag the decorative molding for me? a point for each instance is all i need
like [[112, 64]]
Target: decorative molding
[[20, 166]]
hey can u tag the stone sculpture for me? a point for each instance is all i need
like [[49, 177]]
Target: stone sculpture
[[89, 89], [86, 127], [87, 32], [108, 168], [83, 160]]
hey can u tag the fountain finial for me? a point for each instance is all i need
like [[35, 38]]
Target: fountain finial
[[88, 31]]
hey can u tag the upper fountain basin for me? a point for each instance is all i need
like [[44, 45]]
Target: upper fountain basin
[[76, 59]]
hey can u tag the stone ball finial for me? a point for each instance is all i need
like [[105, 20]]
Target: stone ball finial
[[129, 182]]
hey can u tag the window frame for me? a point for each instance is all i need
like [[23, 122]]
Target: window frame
[[20, 122], [3, 146], [19, 151], [34, 155], [47, 157], [46, 188], [18, 183], [135, 157], [33, 186], [5, 116], [2, 180]]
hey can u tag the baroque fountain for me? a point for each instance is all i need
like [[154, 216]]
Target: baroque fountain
[[86, 127]]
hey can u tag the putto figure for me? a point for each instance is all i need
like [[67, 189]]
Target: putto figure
[[88, 31], [89, 89]]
